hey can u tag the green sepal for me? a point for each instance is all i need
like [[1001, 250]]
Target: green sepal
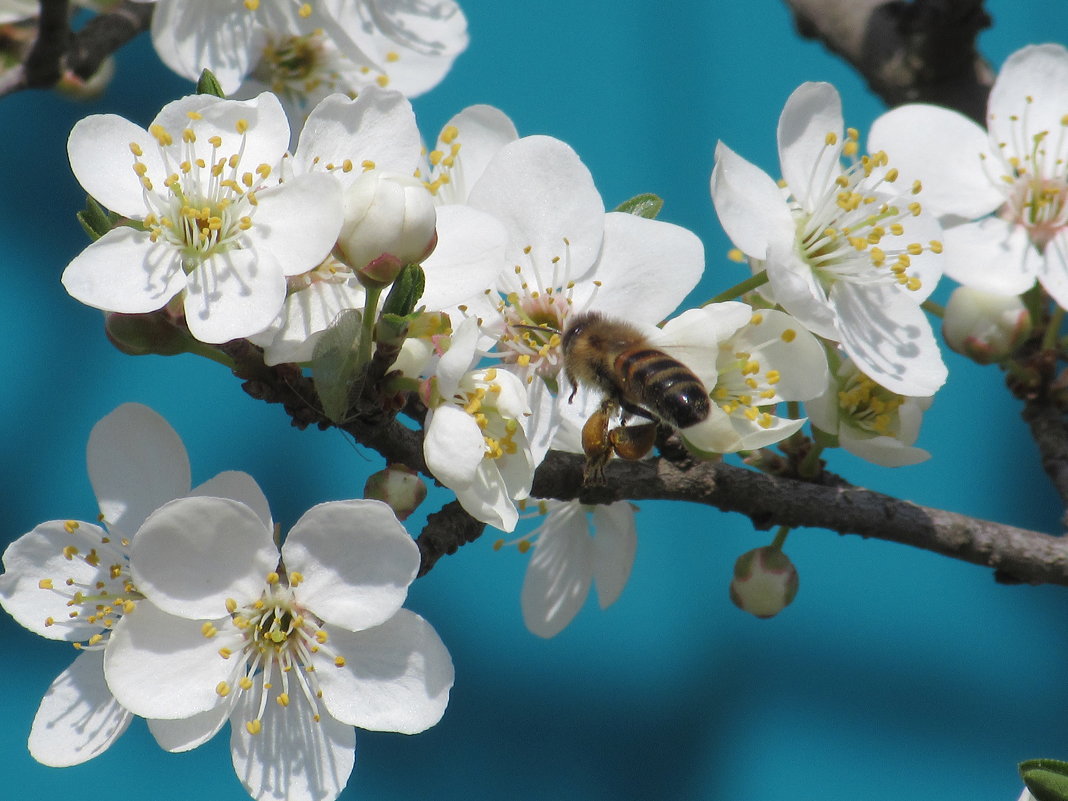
[[95, 219], [1047, 779], [336, 370], [406, 290], [208, 84], [392, 329], [824, 438], [645, 205]]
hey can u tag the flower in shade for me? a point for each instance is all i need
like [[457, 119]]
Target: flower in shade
[[294, 646]]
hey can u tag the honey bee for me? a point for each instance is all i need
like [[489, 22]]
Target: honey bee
[[635, 377]]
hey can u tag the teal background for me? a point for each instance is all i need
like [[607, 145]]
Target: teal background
[[896, 674]]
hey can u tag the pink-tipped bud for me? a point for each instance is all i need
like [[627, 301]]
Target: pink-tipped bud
[[390, 221], [397, 486], [983, 326], [765, 582]]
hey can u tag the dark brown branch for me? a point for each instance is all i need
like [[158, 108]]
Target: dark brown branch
[[58, 52], [1047, 421], [909, 52]]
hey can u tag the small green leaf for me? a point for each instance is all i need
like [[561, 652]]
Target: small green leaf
[[208, 84], [646, 205], [95, 219], [406, 291], [1047, 779], [336, 370]]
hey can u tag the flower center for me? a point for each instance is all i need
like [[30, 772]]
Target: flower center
[[209, 202], [744, 387], [869, 406], [856, 230], [479, 401]]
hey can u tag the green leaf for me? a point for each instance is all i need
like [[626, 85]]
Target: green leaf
[[208, 84], [336, 370], [646, 205], [94, 219], [1047, 779], [406, 291]]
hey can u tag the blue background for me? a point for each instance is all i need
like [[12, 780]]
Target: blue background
[[895, 675]]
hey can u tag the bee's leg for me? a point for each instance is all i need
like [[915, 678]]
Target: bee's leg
[[574, 389], [596, 444], [637, 411], [633, 442]]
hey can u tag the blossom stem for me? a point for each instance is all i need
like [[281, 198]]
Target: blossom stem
[[367, 326], [210, 352], [809, 467], [1053, 328], [739, 289], [780, 538], [934, 308]]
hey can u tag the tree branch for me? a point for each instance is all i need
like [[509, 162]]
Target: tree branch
[[909, 52]]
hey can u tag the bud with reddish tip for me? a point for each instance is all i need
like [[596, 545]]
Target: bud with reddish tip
[[398, 486], [765, 581], [983, 326], [390, 221]]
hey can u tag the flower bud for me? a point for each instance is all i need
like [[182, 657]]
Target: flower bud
[[389, 222], [983, 326], [398, 486], [142, 334], [765, 582]]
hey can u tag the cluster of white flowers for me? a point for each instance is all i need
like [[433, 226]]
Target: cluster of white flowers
[[186, 612]]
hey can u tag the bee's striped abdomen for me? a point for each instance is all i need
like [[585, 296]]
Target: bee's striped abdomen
[[652, 379]]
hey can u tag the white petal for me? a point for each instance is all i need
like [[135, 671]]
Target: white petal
[[38, 555], [469, 254], [453, 446], [715, 434], [942, 148], [185, 734], [356, 559], [264, 143], [797, 290], [124, 271], [237, 486], [749, 204], [884, 451], [1053, 268], [99, 153], [543, 193], [560, 572], [646, 269], [1032, 85], [481, 131], [992, 255], [694, 337], [378, 126], [754, 436], [889, 338], [489, 498], [305, 315], [799, 358], [457, 360], [298, 221], [220, 36], [614, 544], [809, 165], [78, 718], [293, 757], [234, 294], [396, 676], [137, 463], [162, 666], [194, 553]]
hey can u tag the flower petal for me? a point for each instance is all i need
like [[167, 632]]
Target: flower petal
[[809, 165], [797, 290], [240, 487], [560, 572], [1053, 268], [614, 544], [124, 271], [992, 255], [453, 446], [162, 666], [356, 560], [481, 131], [78, 718], [194, 553], [1032, 88], [396, 676], [185, 734], [884, 451], [748, 202], [489, 497], [298, 240], [234, 294], [99, 151], [137, 463], [469, 254]]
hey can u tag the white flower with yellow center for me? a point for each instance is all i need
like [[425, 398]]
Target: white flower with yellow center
[[476, 440], [868, 420], [293, 647], [70, 580], [1008, 183], [212, 221], [351, 43], [846, 251]]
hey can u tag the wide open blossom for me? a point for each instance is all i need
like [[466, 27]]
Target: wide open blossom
[[293, 647], [70, 580], [869, 420], [352, 141], [1009, 183], [214, 225], [319, 47], [846, 251]]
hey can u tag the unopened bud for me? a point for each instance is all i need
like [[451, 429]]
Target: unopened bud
[[983, 326], [143, 334], [398, 486], [390, 221], [765, 582]]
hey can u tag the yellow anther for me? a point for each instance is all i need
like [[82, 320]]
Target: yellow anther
[[189, 135], [830, 139], [339, 661], [254, 727], [449, 134], [321, 637], [272, 577], [498, 544], [208, 629], [245, 683], [382, 80], [523, 546], [225, 653], [305, 10], [936, 246], [736, 255], [241, 126], [756, 319], [367, 165], [789, 335], [773, 377], [160, 134], [392, 56], [283, 699], [252, 5], [850, 148], [295, 578], [917, 187], [231, 605], [45, 584], [69, 552], [222, 689]]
